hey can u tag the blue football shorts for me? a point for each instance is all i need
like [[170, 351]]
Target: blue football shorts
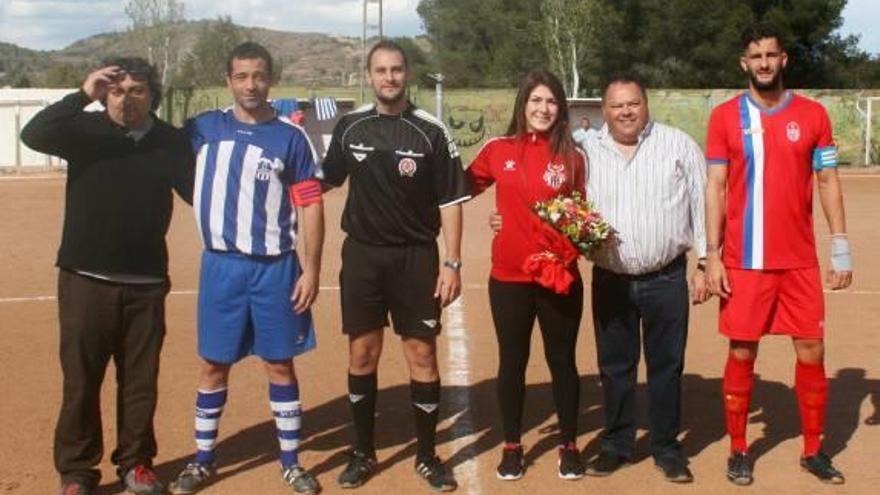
[[245, 308]]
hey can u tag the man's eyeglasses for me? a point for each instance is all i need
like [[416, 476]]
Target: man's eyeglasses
[[135, 73]]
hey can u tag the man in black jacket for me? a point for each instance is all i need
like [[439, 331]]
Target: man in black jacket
[[123, 164]]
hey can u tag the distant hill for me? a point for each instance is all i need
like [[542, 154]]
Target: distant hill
[[17, 62], [305, 58]]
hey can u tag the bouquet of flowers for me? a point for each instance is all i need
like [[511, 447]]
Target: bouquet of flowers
[[569, 226], [576, 219]]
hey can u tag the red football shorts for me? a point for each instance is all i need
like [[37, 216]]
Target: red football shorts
[[783, 302]]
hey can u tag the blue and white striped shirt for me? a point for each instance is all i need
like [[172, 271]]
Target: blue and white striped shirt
[[243, 173]]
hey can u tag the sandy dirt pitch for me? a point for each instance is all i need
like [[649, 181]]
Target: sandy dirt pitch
[[30, 378]]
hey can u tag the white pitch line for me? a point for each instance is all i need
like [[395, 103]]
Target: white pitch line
[[855, 292], [12, 178], [331, 288], [8, 300], [459, 375], [185, 292], [60, 175]]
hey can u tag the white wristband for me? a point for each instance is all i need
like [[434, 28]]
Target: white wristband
[[841, 256]]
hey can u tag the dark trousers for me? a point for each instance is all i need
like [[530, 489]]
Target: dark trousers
[[514, 308], [100, 320], [623, 308]]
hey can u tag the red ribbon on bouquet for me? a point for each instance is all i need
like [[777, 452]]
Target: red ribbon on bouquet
[[550, 267]]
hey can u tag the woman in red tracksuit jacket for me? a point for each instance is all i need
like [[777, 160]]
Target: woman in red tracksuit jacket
[[534, 161]]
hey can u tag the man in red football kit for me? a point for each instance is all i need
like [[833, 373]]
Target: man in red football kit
[[763, 148]]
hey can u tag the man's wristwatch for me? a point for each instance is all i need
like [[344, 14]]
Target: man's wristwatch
[[453, 265]]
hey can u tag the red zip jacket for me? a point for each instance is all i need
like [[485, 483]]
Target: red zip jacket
[[524, 172]]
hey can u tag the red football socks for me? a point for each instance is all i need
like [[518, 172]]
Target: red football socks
[[811, 387], [739, 379]]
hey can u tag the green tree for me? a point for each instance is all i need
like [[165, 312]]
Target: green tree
[[64, 75], [677, 43], [419, 60], [669, 43], [487, 43], [573, 33], [673, 43], [156, 26], [205, 64], [21, 80], [819, 57]]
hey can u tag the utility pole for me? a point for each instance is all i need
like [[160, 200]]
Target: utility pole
[[366, 26]]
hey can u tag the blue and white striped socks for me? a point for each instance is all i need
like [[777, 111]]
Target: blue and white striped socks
[[209, 407], [284, 400]]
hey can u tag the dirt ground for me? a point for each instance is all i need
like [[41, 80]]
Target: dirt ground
[[30, 378]]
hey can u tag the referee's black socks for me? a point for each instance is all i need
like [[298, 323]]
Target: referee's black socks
[[426, 406], [362, 397]]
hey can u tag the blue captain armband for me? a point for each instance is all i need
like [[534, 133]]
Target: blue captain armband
[[824, 158]]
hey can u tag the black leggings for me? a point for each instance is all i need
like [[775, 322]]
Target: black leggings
[[514, 308]]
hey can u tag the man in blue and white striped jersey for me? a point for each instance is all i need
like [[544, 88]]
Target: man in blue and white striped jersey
[[256, 180]]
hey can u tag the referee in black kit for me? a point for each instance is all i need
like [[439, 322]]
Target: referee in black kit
[[406, 183]]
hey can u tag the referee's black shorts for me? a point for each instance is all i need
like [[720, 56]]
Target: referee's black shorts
[[378, 280]]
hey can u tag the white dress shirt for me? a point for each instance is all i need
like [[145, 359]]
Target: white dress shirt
[[654, 200]]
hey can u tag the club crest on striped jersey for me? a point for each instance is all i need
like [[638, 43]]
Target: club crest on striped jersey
[[554, 176], [265, 169], [793, 131], [407, 167], [509, 166]]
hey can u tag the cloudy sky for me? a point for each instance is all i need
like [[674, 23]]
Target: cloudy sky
[[53, 24]]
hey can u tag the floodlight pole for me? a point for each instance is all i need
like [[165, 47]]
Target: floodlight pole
[[365, 25], [363, 52], [438, 92], [868, 135]]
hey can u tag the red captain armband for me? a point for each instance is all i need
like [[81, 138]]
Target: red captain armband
[[305, 193]]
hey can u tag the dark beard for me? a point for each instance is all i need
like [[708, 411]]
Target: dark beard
[[774, 84]]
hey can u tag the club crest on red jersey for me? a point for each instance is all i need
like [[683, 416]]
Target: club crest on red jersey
[[407, 167], [793, 131], [554, 176]]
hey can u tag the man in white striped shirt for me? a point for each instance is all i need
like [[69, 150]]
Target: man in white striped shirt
[[648, 180]]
